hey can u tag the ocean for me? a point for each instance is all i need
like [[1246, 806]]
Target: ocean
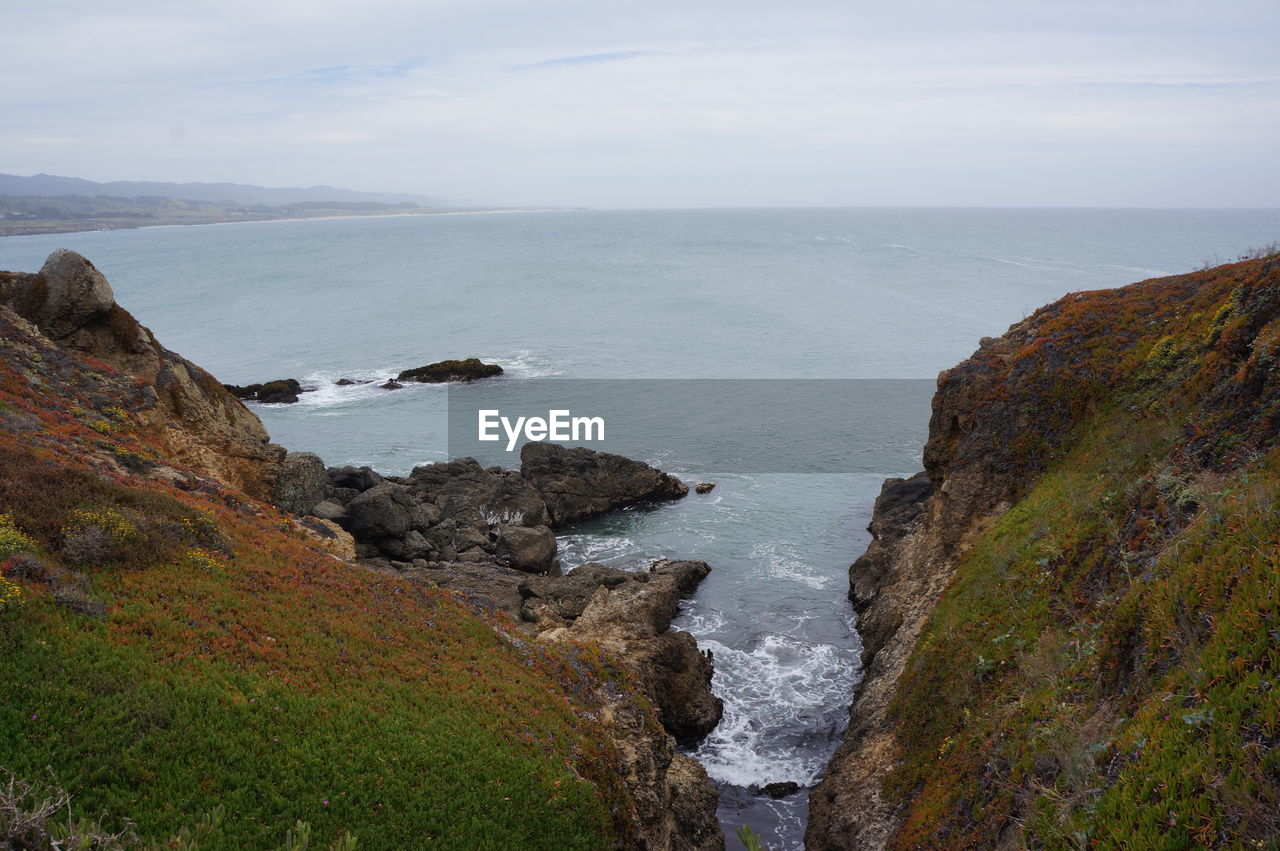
[[784, 294]]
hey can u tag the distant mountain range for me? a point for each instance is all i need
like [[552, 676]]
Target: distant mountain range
[[51, 185]]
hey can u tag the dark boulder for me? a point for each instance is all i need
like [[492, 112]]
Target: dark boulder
[[301, 482], [528, 548], [391, 385], [580, 483], [704, 487], [680, 678], [356, 478], [781, 789], [470, 369], [280, 391], [383, 511]]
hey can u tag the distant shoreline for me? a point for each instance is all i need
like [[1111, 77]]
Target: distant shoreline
[[92, 226]]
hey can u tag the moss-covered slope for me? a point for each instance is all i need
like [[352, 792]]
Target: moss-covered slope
[[1085, 641]]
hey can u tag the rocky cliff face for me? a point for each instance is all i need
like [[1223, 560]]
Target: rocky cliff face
[[200, 424], [1030, 604]]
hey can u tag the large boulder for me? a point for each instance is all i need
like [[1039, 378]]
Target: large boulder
[[383, 511], [75, 293], [580, 483], [356, 478], [443, 371], [528, 548], [301, 482]]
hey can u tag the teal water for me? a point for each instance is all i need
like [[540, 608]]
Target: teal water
[[894, 293]]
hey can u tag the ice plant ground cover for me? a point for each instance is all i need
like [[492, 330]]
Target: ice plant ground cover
[[166, 651]]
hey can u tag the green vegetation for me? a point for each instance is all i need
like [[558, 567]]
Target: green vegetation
[[1102, 670], [167, 653]]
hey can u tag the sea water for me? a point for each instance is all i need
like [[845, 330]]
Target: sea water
[[856, 293]]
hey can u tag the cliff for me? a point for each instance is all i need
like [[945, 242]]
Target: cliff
[[173, 643], [1071, 620], [178, 405]]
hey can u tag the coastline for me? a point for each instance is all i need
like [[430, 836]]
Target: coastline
[[16, 231]]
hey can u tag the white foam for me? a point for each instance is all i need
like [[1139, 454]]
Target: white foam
[[784, 699], [780, 562]]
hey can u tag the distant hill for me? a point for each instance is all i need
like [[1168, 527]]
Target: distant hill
[[51, 185]]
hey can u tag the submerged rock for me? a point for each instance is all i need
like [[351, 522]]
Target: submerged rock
[[391, 384], [443, 371]]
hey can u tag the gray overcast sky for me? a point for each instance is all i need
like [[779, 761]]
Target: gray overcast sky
[[661, 103]]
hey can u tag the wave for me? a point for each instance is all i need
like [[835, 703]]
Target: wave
[[784, 704], [324, 392], [781, 562]]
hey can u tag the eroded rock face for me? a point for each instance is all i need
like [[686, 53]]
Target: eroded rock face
[[630, 614], [897, 511], [579, 483], [202, 426]]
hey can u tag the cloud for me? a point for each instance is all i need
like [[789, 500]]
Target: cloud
[[588, 59], [662, 103]]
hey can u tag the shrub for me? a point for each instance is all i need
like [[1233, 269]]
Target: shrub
[[98, 535], [38, 817], [12, 539]]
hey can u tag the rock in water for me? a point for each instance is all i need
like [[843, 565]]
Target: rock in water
[[440, 372], [704, 487], [780, 790], [282, 390], [580, 483]]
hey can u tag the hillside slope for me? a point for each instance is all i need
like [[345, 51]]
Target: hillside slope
[[170, 644], [1073, 626]]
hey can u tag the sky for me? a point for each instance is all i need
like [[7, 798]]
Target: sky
[[666, 103]]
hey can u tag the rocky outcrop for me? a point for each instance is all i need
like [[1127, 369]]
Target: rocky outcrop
[[580, 483], [896, 514], [281, 391], [458, 511], [444, 371], [627, 614], [201, 425], [1116, 361]]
